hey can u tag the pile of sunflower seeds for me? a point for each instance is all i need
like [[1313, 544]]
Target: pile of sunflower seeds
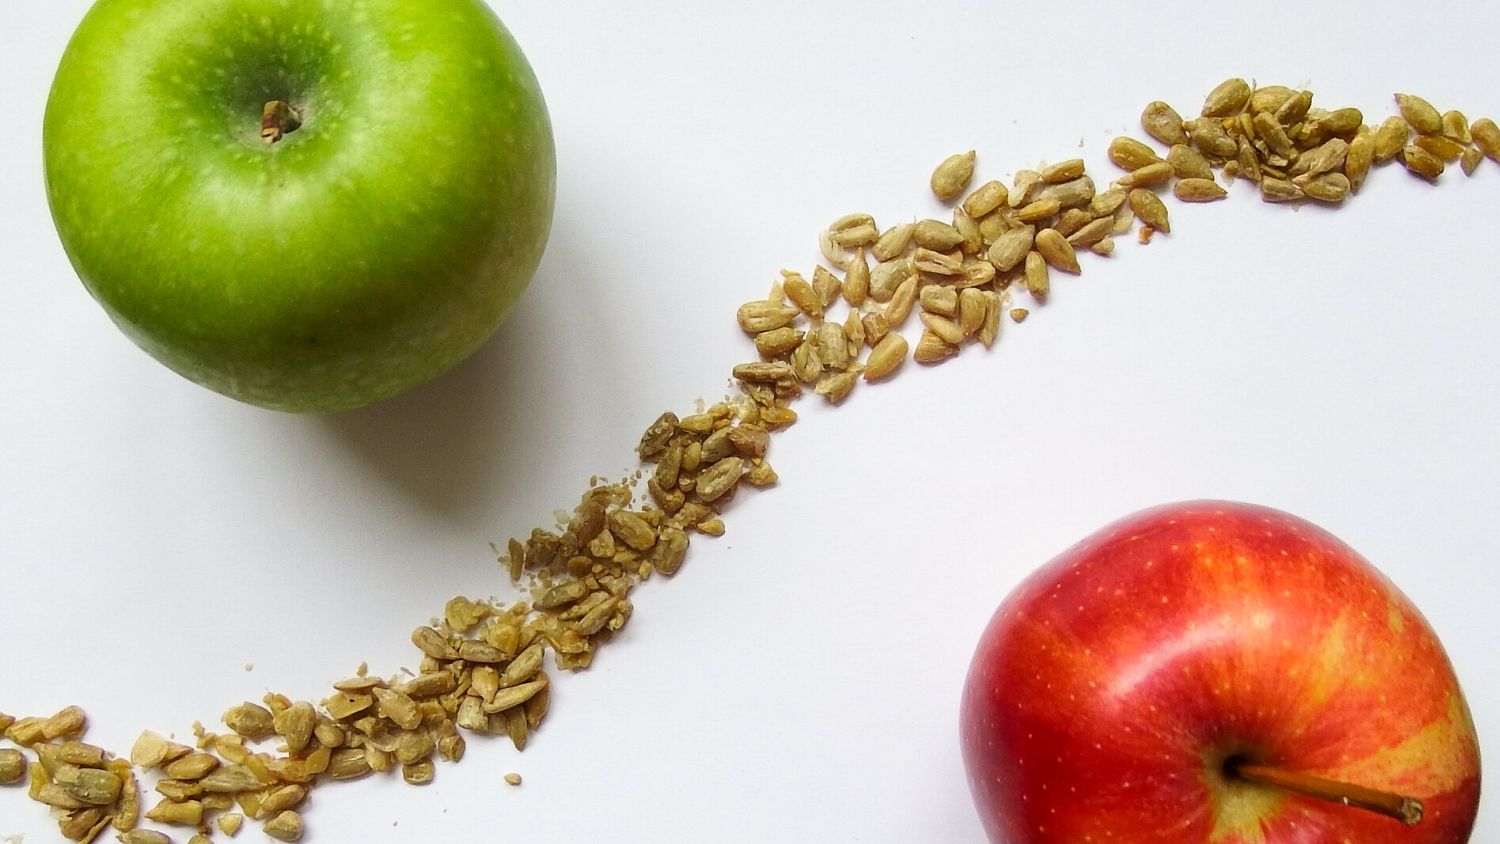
[[482, 664]]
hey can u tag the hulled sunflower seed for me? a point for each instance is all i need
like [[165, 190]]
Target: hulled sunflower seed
[[973, 239], [1104, 247], [989, 329], [986, 198], [1010, 249], [856, 284], [1470, 160], [875, 327], [776, 343], [287, 826], [933, 349], [1039, 210], [943, 327], [801, 292], [939, 300], [1188, 163], [1025, 184], [1390, 138], [836, 386], [1441, 146], [1063, 171], [1163, 123], [69, 723], [937, 263], [1038, 281], [1072, 220], [1208, 135], [12, 766], [1092, 232], [1422, 163], [719, 478], [1107, 203], [886, 357], [1486, 137], [971, 309], [894, 243], [1294, 108], [952, 175], [763, 372], [1269, 131], [1150, 209], [1072, 193], [1269, 98], [1056, 250], [1329, 187], [1198, 190], [1325, 158], [886, 277], [1227, 98], [864, 234], [1279, 190], [936, 235], [764, 315], [1130, 154], [1420, 114], [1456, 127], [899, 308], [1150, 176]]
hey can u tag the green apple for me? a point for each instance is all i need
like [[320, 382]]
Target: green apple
[[308, 205]]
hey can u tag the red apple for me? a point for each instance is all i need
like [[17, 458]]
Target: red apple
[[1181, 675]]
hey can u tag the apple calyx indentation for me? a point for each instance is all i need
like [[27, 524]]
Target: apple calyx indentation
[[1407, 810], [277, 120]]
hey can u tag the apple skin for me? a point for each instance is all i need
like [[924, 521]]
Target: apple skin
[[366, 252], [1111, 685]]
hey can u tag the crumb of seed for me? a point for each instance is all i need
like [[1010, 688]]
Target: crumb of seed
[[513, 779], [1144, 236], [1019, 314]]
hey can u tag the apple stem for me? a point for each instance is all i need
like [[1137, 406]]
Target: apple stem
[[1407, 810], [276, 120]]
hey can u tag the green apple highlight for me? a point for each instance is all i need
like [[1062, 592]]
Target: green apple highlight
[[307, 205]]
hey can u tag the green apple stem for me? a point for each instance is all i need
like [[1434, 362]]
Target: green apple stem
[[1407, 810], [276, 120]]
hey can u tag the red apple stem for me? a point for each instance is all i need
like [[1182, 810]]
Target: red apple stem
[[276, 120], [1407, 810]]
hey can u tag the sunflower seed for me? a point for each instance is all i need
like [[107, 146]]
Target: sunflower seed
[[771, 344], [1227, 98], [1420, 114], [971, 310], [856, 284], [174, 813], [943, 327], [1269, 98], [1390, 138], [802, 295], [1056, 250], [1456, 127], [1072, 220], [989, 329], [196, 766], [1072, 193], [1026, 182], [1150, 176], [1092, 232], [1329, 187], [977, 274], [144, 836], [764, 315], [69, 722], [1063, 171], [1038, 282], [12, 766], [836, 386], [1441, 146], [899, 308], [1104, 247], [287, 826], [1279, 190], [1208, 135], [886, 357], [933, 349], [986, 198], [1130, 154], [1188, 163], [1039, 210], [937, 263], [1294, 108], [887, 276], [1422, 163], [895, 242], [1150, 209], [1248, 161], [1486, 137], [939, 300], [936, 235], [1198, 190], [952, 175], [1010, 249], [1470, 160], [1107, 203], [1268, 130], [973, 239], [1163, 123]]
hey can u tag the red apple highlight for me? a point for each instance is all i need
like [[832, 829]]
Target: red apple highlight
[[1196, 673]]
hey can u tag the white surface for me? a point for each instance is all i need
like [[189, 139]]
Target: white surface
[[799, 680]]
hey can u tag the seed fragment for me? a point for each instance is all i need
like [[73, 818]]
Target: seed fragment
[[287, 826], [1025, 184], [1227, 98], [1268, 130], [1057, 251], [1470, 160], [765, 372], [1130, 154], [1279, 190], [1420, 114], [1163, 123], [886, 357], [296, 724], [932, 348], [834, 387], [513, 779], [12, 766], [1150, 209], [952, 175], [1441, 146], [144, 836]]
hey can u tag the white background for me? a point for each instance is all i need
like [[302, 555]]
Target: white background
[[799, 680]]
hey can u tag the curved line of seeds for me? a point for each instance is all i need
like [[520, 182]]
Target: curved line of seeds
[[482, 664]]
